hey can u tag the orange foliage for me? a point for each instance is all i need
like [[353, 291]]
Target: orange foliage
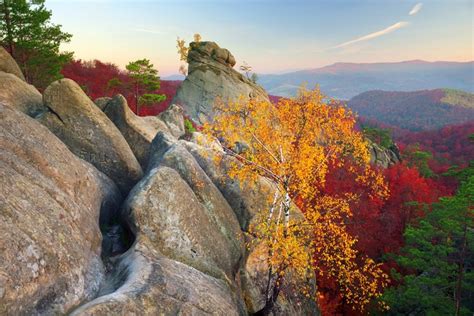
[[294, 143]]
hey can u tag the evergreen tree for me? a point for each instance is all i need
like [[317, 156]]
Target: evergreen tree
[[29, 36], [145, 81], [439, 259], [380, 136], [415, 157]]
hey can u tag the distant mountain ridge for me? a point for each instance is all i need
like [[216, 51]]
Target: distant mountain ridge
[[345, 80], [416, 110]]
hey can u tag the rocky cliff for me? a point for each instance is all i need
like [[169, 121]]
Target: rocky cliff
[[211, 75], [104, 213]]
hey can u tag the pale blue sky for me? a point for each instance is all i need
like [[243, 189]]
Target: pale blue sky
[[272, 36]]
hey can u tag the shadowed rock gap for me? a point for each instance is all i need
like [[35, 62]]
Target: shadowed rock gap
[[118, 236]]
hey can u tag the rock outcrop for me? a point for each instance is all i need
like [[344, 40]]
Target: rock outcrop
[[50, 203], [211, 76], [383, 157], [9, 65], [88, 133]]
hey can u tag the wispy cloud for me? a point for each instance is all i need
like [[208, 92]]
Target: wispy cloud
[[139, 29], [416, 9], [370, 36]]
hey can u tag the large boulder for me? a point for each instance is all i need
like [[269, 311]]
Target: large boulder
[[50, 203], [171, 217], [88, 133], [9, 65], [16, 93], [138, 132], [211, 76], [218, 210]]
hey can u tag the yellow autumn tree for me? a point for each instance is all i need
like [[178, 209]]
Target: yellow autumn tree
[[183, 50], [293, 143]]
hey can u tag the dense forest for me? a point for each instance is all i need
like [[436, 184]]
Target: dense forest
[[417, 110]]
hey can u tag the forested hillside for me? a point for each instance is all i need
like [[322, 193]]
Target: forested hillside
[[417, 110]]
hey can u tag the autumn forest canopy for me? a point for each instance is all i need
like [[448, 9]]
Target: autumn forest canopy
[[371, 209]]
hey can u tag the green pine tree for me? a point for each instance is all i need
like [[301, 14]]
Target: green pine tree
[[145, 81], [29, 36], [379, 136], [439, 259], [415, 157]]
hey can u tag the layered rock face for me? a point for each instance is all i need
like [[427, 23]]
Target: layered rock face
[[50, 203], [211, 76]]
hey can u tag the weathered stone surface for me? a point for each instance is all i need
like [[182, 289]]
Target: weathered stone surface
[[139, 133], [211, 50], [9, 65], [217, 208], [171, 217], [211, 76], [173, 118], [156, 285], [50, 202], [16, 93], [88, 133], [383, 157]]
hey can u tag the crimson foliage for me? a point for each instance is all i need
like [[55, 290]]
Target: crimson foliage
[[99, 79], [378, 224]]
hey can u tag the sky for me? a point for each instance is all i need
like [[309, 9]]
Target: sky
[[271, 36]]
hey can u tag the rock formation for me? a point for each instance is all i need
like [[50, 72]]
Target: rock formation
[[211, 76], [176, 246], [88, 133], [185, 225], [49, 220]]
